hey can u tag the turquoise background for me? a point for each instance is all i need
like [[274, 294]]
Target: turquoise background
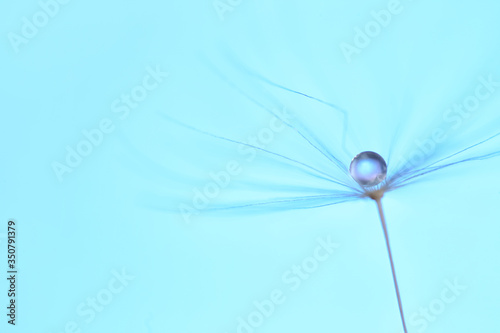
[[117, 212]]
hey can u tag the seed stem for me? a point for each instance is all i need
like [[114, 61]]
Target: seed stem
[[378, 200]]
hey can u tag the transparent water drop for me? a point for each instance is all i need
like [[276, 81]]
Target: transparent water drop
[[368, 168]]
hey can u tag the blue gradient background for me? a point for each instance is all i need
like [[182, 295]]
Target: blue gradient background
[[118, 209]]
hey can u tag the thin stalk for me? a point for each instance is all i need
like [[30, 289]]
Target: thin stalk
[[386, 234]]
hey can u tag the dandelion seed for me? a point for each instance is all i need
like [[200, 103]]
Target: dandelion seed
[[313, 185], [368, 169]]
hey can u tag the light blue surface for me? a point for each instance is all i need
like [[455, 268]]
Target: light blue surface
[[122, 225]]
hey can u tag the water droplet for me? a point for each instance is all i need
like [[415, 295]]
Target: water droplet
[[368, 168]]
